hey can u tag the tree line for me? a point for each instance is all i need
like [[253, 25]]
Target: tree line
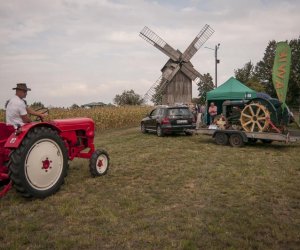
[[259, 76]]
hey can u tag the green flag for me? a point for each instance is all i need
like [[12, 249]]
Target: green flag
[[281, 70]]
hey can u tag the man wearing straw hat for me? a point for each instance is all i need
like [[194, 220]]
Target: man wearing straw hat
[[17, 110]]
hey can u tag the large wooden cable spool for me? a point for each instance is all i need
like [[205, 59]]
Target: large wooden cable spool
[[255, 117]]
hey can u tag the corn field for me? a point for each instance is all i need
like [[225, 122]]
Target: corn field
[[104, 117]]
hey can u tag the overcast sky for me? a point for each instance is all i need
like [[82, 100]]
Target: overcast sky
[[80, 51]]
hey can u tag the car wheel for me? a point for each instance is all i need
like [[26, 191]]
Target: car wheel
[[143, 128], [159, 131]]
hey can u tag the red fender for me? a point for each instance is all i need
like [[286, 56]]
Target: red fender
[[17, 137], [65, 127]]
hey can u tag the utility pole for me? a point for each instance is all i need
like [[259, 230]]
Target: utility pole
[[216, 63]]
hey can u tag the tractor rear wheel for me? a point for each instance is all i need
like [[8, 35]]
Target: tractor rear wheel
[[38, 167], [99, 163], [255, 117]]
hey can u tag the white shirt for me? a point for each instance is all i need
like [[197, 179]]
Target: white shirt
[[15, 108]]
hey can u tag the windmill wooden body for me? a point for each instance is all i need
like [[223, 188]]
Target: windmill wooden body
[[175, 83]]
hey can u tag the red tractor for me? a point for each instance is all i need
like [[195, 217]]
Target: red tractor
[[34, 158]]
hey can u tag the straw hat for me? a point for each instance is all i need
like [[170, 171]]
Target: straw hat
[[22, 86]]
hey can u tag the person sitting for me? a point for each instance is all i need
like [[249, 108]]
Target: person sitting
[[17, 110]]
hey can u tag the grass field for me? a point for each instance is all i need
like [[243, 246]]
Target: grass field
[[175, 192]]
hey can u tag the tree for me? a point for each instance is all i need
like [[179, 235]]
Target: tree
[[157, 96], [247, 76], [128, 97], [261, 75], [37, 105], [263, 69], [293, 94], [246, 73], [204, 85], [74, 106], [196, 100]]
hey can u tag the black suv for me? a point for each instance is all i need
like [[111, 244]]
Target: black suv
[[168, 119]]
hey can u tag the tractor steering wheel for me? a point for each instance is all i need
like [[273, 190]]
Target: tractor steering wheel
[[42, 111]]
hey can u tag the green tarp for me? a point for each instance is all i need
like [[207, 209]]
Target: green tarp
[[232, 89]]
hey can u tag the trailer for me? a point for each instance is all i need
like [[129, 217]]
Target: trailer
[[237, 138]]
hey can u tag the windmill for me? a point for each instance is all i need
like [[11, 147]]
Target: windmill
[[175, 83]]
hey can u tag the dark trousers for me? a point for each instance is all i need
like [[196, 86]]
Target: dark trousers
[[212, 117]]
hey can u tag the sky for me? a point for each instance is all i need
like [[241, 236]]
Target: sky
[[81, 51]]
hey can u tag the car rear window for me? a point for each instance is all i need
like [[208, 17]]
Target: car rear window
[[179, 111]]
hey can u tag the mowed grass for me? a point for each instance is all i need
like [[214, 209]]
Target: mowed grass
[[175, 192]]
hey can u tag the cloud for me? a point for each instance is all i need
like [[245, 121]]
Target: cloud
[[73, 51]]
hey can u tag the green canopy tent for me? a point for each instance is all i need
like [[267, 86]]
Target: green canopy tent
[[232, 89]]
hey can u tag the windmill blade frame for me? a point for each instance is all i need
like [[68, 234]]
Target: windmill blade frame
[[190, 71], [156, 89], [162, 87], [152, 90], [197, 43], [166, 80], [173, 73], [155, 40]]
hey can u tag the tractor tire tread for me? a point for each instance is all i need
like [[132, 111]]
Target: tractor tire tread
[[93, 160], [18, 155]]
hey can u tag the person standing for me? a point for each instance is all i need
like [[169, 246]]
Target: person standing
[[213, 111], [200, 115], [16, 108]]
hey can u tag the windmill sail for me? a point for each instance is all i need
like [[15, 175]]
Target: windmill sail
[[196, 44], [152, 38], [190, 71]]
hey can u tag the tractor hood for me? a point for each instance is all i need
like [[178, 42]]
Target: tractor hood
[[74, 124]]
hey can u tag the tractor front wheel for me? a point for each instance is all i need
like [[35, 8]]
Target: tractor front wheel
[[99, 163], [38, 167]]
